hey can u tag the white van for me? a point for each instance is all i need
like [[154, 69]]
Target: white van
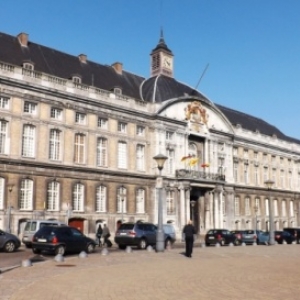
[[32, 226]]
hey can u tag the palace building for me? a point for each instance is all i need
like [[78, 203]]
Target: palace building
[[77, 141]]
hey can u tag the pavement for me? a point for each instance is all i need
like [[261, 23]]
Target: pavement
[[238, 272]]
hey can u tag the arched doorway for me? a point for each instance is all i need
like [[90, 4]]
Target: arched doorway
[[77, 223]]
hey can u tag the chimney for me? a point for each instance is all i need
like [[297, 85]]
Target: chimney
[[118, 67], [23, 39], [82, 58]]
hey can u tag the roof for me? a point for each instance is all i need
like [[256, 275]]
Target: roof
[[155, 89]]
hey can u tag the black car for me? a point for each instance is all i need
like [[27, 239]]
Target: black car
[[295, 232], [60, 240], [284, 236], [9, 242], [140, 234], [220, 236]]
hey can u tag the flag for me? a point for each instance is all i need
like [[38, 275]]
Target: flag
[[184, 158], [205, 165], [193, 161]]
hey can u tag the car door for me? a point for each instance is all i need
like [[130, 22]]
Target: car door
[[78, 240], [2, 238], [150, 233]]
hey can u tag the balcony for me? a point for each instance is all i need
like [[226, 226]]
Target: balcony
[[192, 174]]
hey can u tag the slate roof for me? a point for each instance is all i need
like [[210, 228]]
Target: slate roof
[[159, 88]]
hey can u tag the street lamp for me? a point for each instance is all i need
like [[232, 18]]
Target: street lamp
[[256, 210], [122, 196], [10, 188], [269, 183], [160, 245], [193, 202]]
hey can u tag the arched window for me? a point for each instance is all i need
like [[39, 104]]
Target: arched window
[[101, 198], [140, 201], [78, 197], [53, 190], [26, 195]]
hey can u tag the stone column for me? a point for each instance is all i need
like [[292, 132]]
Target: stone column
[[187, 204], [182, 207], [229, 200]]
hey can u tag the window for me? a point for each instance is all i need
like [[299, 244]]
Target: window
[[256, 175], [30, 107], [79, 155], [78, 197], [169, 136], [102, 152], [2, 187], [170, 203], [3, 137], [281, 160], [102, 123], [235, 172], [56, 113], [122, 127], [246, 153], [266, 174], [246, 173], [53, 196], [140, 130], [267, 207], [28, 141], [290, 180], [121, 199], [122, 155], [257, 206], [235, 151], [76, 79], [26, 194], [247, 206], [4, 102], [140, 201], [275, 204], [170, 161], [28, 66], [273, 159], [140, 157], [54, 144], [255, 155], [291, 208], [274, 174], [283, 208], [265, 158], [223, 206], [101, 198], [282, 179], [80, 118], [237, 206]]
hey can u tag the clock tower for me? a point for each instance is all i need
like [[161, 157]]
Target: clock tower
[[162, 59]]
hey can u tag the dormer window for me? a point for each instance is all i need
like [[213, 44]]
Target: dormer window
[[28, 66], [76, 79], [117, 91]]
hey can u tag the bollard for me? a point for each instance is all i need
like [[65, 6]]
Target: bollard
[[217, 245], [203, 245], [104, 251], [230, 245], [82, 254], [128, 249], [149, 248], [243, 244], [254, 244], [26, 263], [59, 258]]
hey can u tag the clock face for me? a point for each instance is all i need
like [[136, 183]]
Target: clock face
[[167, 62]]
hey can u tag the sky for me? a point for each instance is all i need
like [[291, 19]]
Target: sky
[[246, 51]]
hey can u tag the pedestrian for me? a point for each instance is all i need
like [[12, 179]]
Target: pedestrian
[[188, 233], [106, 235], [99, 234]]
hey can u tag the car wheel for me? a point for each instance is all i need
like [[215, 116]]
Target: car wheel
[[10, 246], [60, 250], [27, 246], [36, 251], [122, 247], [236, 242], [90, 248], [143, 244], [207, 244]]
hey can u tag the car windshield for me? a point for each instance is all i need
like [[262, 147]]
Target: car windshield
[[126, 227], [30, 226]]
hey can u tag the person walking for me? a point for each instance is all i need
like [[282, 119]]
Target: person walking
[[188, 233], [99, 234], [106, 235]]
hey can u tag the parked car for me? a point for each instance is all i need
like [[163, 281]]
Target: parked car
[[221, 236], [9, 242], [60, 240], [249, 236], [295, 232], [32, 226], [284, 236], [140, 234]]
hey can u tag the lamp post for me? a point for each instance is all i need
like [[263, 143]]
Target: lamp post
[[122, 196], [269, 183], [296, 217], [160, 245], [193, 202], [10, 188], [256, 210]]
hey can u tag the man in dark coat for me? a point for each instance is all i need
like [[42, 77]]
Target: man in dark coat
[[188, 233]]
